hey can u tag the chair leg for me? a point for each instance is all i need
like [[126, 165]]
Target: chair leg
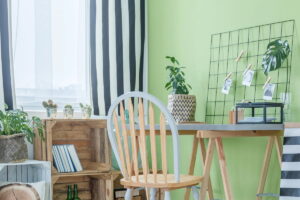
[[195, 192], [128, 194], [167, 195], [152, 193]]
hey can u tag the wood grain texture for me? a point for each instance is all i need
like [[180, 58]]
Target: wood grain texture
[[265, 167], [224, 171], [18, 191], [125, 137], [203, 158], [153, 141], [207, 167], [133, 139], [91, 143], [163, 142]]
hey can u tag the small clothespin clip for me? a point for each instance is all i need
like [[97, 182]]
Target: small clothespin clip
[[267, 82], [228, 76], [247, 69], [239, 56]]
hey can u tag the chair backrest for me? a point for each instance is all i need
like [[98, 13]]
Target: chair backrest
[[129, 141]]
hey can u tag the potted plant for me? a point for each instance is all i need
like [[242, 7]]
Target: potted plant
[[86, 111], [181, 105], [277, 52], [15, 126], [51, 108], [68, 111]]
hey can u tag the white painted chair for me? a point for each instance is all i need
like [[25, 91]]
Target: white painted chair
[[130, 141]]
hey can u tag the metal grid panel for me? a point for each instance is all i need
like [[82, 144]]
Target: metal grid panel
[[225, 48]]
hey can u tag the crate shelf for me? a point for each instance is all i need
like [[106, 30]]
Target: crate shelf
[[92, 145]]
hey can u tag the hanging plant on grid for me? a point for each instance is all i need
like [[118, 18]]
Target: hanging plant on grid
[[176, 80], [277, 52]]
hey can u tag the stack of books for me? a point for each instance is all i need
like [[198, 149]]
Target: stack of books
[[65, 158]]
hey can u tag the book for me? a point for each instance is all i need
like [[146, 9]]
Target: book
[[66, 159], [70, 163], [74, 157], [57, 160]]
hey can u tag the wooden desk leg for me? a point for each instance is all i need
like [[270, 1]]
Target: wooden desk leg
[[203, 156], [223, 167], [192, 165], [207, 167], [278, 144], [264, 170]]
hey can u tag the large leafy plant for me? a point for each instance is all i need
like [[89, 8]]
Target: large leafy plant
[[17, 121], [277, 52], [176, 78]]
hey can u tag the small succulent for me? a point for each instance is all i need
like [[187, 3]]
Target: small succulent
[[85, 106], [68, 106], [49, 104]]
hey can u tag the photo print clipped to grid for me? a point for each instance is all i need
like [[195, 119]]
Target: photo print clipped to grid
[[225, 48]]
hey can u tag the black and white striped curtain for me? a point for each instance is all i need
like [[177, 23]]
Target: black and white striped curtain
[[118, 36], [6, 85], [290, 172]]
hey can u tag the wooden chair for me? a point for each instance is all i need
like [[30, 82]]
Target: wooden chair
[[130, 141]]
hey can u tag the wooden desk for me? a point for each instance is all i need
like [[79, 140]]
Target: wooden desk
[[214, 133]]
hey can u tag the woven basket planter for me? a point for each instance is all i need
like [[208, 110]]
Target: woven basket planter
[[182, 107], [13, 148]]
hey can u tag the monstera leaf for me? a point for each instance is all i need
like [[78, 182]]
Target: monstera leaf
[[277, 52]]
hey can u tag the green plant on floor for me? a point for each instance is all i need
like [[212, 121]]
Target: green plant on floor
[[176, 77], [277, 52], [17, 121]]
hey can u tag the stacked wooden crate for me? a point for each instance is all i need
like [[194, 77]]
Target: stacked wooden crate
[[90, 139]]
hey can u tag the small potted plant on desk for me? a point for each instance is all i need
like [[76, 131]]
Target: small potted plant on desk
[[181, 105], [15, 126]]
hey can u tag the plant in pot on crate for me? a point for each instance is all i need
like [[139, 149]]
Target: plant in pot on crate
[[181, 105], [15, 126]]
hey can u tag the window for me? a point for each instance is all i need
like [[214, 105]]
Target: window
[[50, 52]]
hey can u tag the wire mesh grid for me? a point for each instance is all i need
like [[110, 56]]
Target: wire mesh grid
[[225, 48]]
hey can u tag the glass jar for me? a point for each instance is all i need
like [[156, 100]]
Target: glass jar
[[68, 113], [51, 112], [86, 113]]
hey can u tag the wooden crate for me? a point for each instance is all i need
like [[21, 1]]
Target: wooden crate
[[30, 171], [90, 139]]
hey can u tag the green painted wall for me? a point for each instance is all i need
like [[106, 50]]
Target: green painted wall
[[182, 28]]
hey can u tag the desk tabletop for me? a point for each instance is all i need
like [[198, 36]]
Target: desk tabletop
[[226, 130], [224, 127], [230, 127]]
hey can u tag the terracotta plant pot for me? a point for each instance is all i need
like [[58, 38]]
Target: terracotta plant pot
[[13, 148], [182, 107]]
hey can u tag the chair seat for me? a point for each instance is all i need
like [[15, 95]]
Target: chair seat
[[185, 181]]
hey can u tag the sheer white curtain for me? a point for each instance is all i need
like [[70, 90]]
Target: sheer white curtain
[[49, 52], [1, 83]]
